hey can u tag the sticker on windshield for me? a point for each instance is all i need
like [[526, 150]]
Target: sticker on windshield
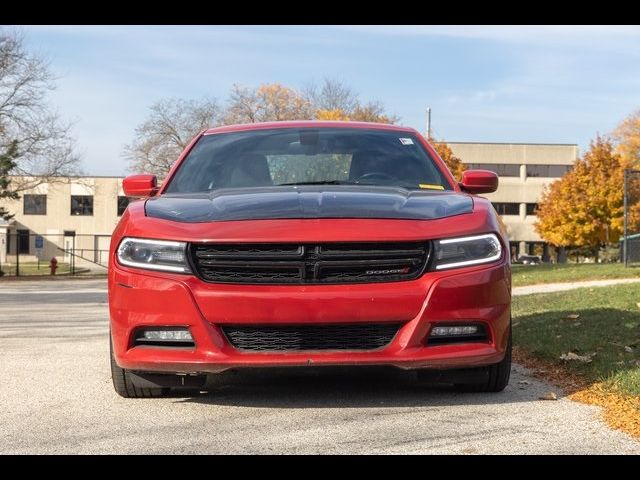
[[406, 141], [431, 187]]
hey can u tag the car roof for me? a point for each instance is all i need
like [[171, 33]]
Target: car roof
[[309, 124]]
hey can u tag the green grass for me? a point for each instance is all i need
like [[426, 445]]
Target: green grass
[[609, 320], [570, 272], [31, 268]]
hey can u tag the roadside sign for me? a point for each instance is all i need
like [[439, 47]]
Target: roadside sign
[[39, 242]]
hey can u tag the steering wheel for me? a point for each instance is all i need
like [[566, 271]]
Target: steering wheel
[[375, 176]]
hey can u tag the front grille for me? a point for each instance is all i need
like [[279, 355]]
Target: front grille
[[310, 263], [310, 337]]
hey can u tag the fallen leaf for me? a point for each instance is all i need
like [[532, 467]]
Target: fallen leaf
[[549, 396], [628, 349], [573, 316], [572, 356], [524, 382]]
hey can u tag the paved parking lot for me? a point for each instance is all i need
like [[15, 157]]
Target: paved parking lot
[[56, 397]]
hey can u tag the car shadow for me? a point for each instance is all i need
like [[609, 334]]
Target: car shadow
[[344, 387]]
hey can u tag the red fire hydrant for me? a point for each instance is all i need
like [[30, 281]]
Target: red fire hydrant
[[53, 265]]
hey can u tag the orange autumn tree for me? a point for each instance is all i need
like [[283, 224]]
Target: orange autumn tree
[[371, 112], [266, 103], [454, 163], [627, 136], [333, 114], [585, 207]]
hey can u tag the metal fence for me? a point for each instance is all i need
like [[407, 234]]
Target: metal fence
[[630, 242], [28, 253]]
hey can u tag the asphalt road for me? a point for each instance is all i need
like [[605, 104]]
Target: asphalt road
[[56, 397]]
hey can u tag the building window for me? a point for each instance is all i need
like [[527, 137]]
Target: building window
[[81, 205], [547, 171], [23, 241], [35, 204], [501, 169], [507, 208], [122, 204], [532, 208]]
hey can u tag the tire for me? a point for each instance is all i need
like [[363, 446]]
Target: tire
[[124, 386], [498, 375]]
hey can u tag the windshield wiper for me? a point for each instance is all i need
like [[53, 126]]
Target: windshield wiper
[[346, 182], [320, 182]]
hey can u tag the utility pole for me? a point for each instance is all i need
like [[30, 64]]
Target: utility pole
[[428, 123], [624, 247]]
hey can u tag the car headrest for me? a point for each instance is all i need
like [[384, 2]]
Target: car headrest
[[250, 170], [368, 162]]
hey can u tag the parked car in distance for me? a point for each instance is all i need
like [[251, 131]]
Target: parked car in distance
[[291, 244], [529, 260]]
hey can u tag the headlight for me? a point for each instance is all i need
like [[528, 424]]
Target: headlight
[[464, 251], [154, 254]]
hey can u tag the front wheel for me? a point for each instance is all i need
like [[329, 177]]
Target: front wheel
[[497, 377], [124, 386]]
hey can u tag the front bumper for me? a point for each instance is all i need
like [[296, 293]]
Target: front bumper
[[143, 299]]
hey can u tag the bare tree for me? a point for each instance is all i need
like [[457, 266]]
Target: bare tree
[[40, 142], [332, 94], [171, 125]]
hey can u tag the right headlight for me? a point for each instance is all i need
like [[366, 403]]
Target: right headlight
[[466, 251], [150, 254]]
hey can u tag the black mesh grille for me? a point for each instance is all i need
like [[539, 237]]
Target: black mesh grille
[[306, 337], [310, 263]]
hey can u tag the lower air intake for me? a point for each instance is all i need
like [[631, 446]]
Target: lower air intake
[[299, 338]]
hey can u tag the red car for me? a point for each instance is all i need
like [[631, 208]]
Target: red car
[[309, 243]]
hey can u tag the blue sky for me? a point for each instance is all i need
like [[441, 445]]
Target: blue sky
[[489, 84]]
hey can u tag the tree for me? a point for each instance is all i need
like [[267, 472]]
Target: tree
[[334, 114], [35, 137], [332, 95], [446, 154], [172, 123], [7, 164], [627, 136], [159, 140], [372, 112], [335, 100], [267, 103], [585, 207]]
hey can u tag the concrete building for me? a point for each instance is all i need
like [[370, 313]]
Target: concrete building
[[524, 170], [71, 219]]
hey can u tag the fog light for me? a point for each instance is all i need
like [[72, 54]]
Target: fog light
[[171, 337], [455, 331]]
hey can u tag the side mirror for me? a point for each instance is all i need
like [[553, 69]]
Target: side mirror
[[140, 185], [479, 181]]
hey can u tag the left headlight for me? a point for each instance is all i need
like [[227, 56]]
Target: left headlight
[[154, 254], [466, 251]]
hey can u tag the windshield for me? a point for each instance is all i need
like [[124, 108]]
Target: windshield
[[307, 156]]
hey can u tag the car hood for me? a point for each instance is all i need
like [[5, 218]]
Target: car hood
[[308, 202]]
